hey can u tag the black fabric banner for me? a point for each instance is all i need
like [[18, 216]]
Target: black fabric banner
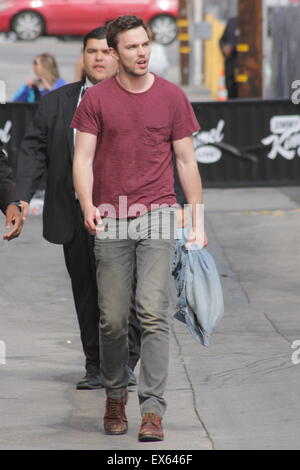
[[248, 142], [241, 142], [14, 119]]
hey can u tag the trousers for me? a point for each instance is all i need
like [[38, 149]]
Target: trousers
[[143, 259]]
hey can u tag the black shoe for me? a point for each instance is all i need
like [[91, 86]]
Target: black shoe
[[132, 382], [89, 382]]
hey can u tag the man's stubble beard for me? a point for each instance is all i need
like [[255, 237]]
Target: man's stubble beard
[[132, 73]]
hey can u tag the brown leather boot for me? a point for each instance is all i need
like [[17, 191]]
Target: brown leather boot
[[151, 428], [115, 421]]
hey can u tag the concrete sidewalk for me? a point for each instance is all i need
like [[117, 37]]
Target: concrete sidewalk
[[240, 393]]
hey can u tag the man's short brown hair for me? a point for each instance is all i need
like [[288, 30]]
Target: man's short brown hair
[[121, 24]]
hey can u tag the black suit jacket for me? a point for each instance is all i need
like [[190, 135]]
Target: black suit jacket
[[49, 143], [230, 36], [6, 182]]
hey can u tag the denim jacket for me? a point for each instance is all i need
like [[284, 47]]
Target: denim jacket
[[200, 299]]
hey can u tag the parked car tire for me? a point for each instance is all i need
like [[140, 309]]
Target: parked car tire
[[28, 25], [165, 28]]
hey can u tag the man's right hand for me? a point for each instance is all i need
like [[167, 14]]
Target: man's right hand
[[15, 219], [14, 222], [227, 50], [92, 219]]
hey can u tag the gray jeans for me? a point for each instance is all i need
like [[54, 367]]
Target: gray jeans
[[149, 250]]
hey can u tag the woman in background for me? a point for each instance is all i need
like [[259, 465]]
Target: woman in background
[[48, 79]]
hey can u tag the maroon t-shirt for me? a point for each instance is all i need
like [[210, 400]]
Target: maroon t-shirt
[[134, 132]]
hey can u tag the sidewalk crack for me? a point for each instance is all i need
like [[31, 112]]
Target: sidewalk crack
[[209, 437], [275, 328]]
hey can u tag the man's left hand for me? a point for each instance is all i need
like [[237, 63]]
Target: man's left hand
[[198, 239]]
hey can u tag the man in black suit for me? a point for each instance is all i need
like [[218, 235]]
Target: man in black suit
[[228, 44], [49, 143], [13, 210]]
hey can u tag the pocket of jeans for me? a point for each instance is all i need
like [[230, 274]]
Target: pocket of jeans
[[155, 135]]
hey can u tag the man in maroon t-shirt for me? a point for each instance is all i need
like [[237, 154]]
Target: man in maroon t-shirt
[[123, 174]]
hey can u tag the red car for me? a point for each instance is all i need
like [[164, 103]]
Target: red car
[[30, 19]]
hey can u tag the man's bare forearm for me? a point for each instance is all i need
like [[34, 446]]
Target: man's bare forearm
[[188, 172], [191, 184], [83, 182], [83, 168], [190, 181]]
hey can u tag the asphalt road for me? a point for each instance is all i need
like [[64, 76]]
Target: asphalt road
[[242, 392]]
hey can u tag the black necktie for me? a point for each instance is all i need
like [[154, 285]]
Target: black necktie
[[82, 92]]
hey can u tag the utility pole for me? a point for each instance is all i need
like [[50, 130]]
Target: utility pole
[[250, 49], [197, 52], [184, 42]]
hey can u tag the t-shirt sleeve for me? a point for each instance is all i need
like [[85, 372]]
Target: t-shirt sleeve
[[86, 119], [185, 122]]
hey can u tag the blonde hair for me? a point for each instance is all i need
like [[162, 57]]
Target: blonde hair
[[50, 67]]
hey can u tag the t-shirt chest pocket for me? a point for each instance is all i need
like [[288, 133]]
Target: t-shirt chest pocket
[[155, 135]]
